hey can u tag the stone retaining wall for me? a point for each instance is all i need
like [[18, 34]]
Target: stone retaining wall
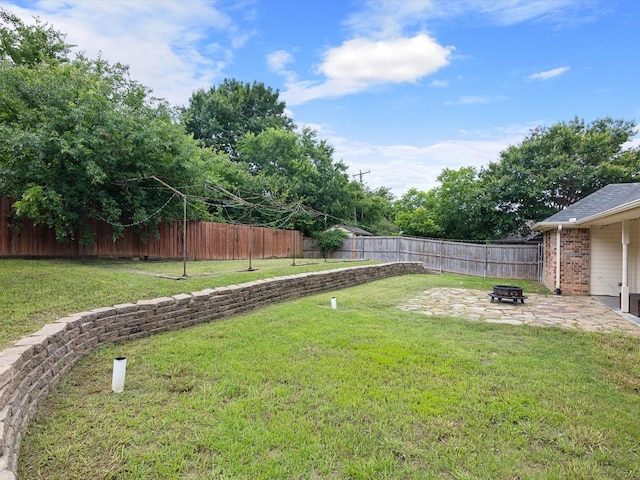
[[35, 364]]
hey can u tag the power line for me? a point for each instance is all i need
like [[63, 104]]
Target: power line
[[281, 213], [139, 222]]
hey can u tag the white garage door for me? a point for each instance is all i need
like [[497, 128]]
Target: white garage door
[[606, 259]]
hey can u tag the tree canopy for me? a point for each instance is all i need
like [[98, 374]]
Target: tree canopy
[[79, 139], [223, 114], [72, 132], [416, 213], [556, 166], [551, 169], [296, 168], [22, 44]]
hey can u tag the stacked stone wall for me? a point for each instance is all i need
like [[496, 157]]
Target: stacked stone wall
[[35, 364]]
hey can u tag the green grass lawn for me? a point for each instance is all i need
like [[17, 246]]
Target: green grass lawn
[[367, 391], [37, 292]]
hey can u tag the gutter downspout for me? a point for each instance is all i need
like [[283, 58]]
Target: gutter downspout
[[624, 290], [558, 291]]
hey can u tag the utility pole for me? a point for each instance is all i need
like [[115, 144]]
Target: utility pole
[[360, 174]]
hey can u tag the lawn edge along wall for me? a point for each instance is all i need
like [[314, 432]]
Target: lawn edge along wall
[[35, 364]]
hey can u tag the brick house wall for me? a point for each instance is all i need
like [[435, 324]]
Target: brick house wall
[[575, 260]]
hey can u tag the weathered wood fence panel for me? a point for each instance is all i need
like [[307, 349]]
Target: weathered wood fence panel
[[481, 260], [205, 241]]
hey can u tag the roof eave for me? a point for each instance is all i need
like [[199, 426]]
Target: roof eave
[[586, 221], [613, 211], [546, 226]]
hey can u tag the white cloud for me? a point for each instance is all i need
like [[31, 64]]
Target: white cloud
[[469, 100], [439, 84], [518, 11], [278, 60], [391, 17], [398, 60], [361, 63], [164, 43], [382, 51], [401, 167], [390, 20], [546, 75]]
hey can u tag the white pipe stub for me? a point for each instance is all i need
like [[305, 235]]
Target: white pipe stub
[[119, 372]]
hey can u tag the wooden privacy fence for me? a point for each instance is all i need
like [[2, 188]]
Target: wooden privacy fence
[[205, 241], [481, 260]]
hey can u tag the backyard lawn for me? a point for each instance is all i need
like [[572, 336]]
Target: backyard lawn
[[364, 391], [37, 292]]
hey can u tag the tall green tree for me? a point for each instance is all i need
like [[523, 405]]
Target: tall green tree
[[249, 123], [22, 44], [73, 132], [374, 210], [456, 209], [293, 167], [220, 116], [417, 214], [558, 165], [458, 204]]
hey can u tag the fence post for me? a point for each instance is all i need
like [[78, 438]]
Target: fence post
[[486, 259]]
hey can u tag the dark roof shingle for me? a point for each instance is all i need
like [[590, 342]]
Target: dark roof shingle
[[607, 198]]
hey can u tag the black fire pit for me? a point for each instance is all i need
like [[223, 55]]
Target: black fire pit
[[511, 293]]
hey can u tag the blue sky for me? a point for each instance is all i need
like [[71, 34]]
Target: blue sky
[[403, 88]]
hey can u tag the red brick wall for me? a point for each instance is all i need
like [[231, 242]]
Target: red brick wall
[[575, 260]]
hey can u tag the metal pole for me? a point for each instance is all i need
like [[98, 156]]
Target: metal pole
[[324, 249], [184, 236], [294, 242], [184, 222], [250, 236]]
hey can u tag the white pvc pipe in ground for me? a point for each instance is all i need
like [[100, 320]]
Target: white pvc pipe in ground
[[119, 372], [334, 302]]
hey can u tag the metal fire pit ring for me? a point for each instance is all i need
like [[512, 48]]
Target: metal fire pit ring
[[507, 292]]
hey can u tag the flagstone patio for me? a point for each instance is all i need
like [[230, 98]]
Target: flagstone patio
[[576, 312]]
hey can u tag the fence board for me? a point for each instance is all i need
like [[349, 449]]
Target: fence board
[[205, 241], [481, 260]]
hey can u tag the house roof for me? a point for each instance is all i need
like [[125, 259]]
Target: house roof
[[612, 203], [354, 230]]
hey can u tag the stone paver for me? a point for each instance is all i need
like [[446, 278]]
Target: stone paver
[[576, 312]]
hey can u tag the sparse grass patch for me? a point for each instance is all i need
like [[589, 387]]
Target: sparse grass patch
[[367, 391]]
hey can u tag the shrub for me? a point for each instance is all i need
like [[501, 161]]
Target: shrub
[[329, 240]]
